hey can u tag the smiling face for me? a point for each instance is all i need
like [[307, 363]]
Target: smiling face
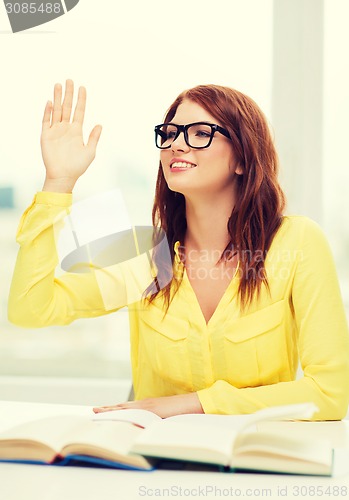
[[209, 171]]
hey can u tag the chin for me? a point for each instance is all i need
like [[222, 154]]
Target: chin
[[179, 188]]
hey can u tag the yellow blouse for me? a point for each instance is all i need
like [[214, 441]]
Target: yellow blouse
[[237, 362]]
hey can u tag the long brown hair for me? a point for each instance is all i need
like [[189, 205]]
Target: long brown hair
[[260, 201]]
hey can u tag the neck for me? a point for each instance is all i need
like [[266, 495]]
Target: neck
[[207, 224]]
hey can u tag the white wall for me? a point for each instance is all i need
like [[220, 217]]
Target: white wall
[[134, 58], [336, 136]]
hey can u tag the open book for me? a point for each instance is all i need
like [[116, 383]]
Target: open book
[[141, 440]]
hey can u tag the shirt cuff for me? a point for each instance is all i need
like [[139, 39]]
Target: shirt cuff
[[56, 199], [206, 400]]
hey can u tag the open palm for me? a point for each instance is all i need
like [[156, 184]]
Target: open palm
[[65, 155]]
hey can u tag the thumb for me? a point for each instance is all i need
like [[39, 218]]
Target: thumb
[[94, 137]]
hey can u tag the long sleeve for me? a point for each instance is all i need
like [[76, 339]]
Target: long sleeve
[[37, 297], [322, 341]]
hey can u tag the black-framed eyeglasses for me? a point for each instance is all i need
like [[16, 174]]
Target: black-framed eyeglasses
[[197, 135]]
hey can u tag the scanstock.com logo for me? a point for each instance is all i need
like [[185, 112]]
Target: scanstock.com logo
[[24, 15]]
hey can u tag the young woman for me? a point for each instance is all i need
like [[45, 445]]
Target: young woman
[[252, 293]]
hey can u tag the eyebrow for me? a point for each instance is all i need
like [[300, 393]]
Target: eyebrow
[[197, 121]]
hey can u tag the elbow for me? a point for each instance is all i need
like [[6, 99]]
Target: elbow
[[330, 408], [14, 314], [21, 316], [329, 390], [21, 313], [340, 397], [335, 410], [19, 310], [340, 404], [334, 402]]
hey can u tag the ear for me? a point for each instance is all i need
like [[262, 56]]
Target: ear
[[239, 170]]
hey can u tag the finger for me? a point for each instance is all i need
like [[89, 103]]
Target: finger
[[94, 137], [46, 119], [68, 100], [57, 104], [120, 406], [104, 409], [80, 106], [109, 406]]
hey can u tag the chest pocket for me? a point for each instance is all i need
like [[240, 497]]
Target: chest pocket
[[165, 342], [255, 347]]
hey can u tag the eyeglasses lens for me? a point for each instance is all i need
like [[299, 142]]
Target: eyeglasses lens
[[198, 135]]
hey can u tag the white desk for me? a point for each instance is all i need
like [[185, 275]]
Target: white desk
[[36, 482]]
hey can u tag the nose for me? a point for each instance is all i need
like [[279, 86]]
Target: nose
[[179, 143]]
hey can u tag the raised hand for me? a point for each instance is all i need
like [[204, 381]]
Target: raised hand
[[65, 155]]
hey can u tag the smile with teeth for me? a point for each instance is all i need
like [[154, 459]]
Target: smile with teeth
[[182, 164]]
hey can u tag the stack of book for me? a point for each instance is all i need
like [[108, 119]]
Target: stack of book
[[139, 439]]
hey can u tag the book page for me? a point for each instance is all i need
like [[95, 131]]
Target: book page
[[142, 418], [248, 422], [46, 438], [301, 411], [50, 432], [280, 452], [186, 441], [277, 444], [106, 439], [280, 464], [336, 431], [235, 422]]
